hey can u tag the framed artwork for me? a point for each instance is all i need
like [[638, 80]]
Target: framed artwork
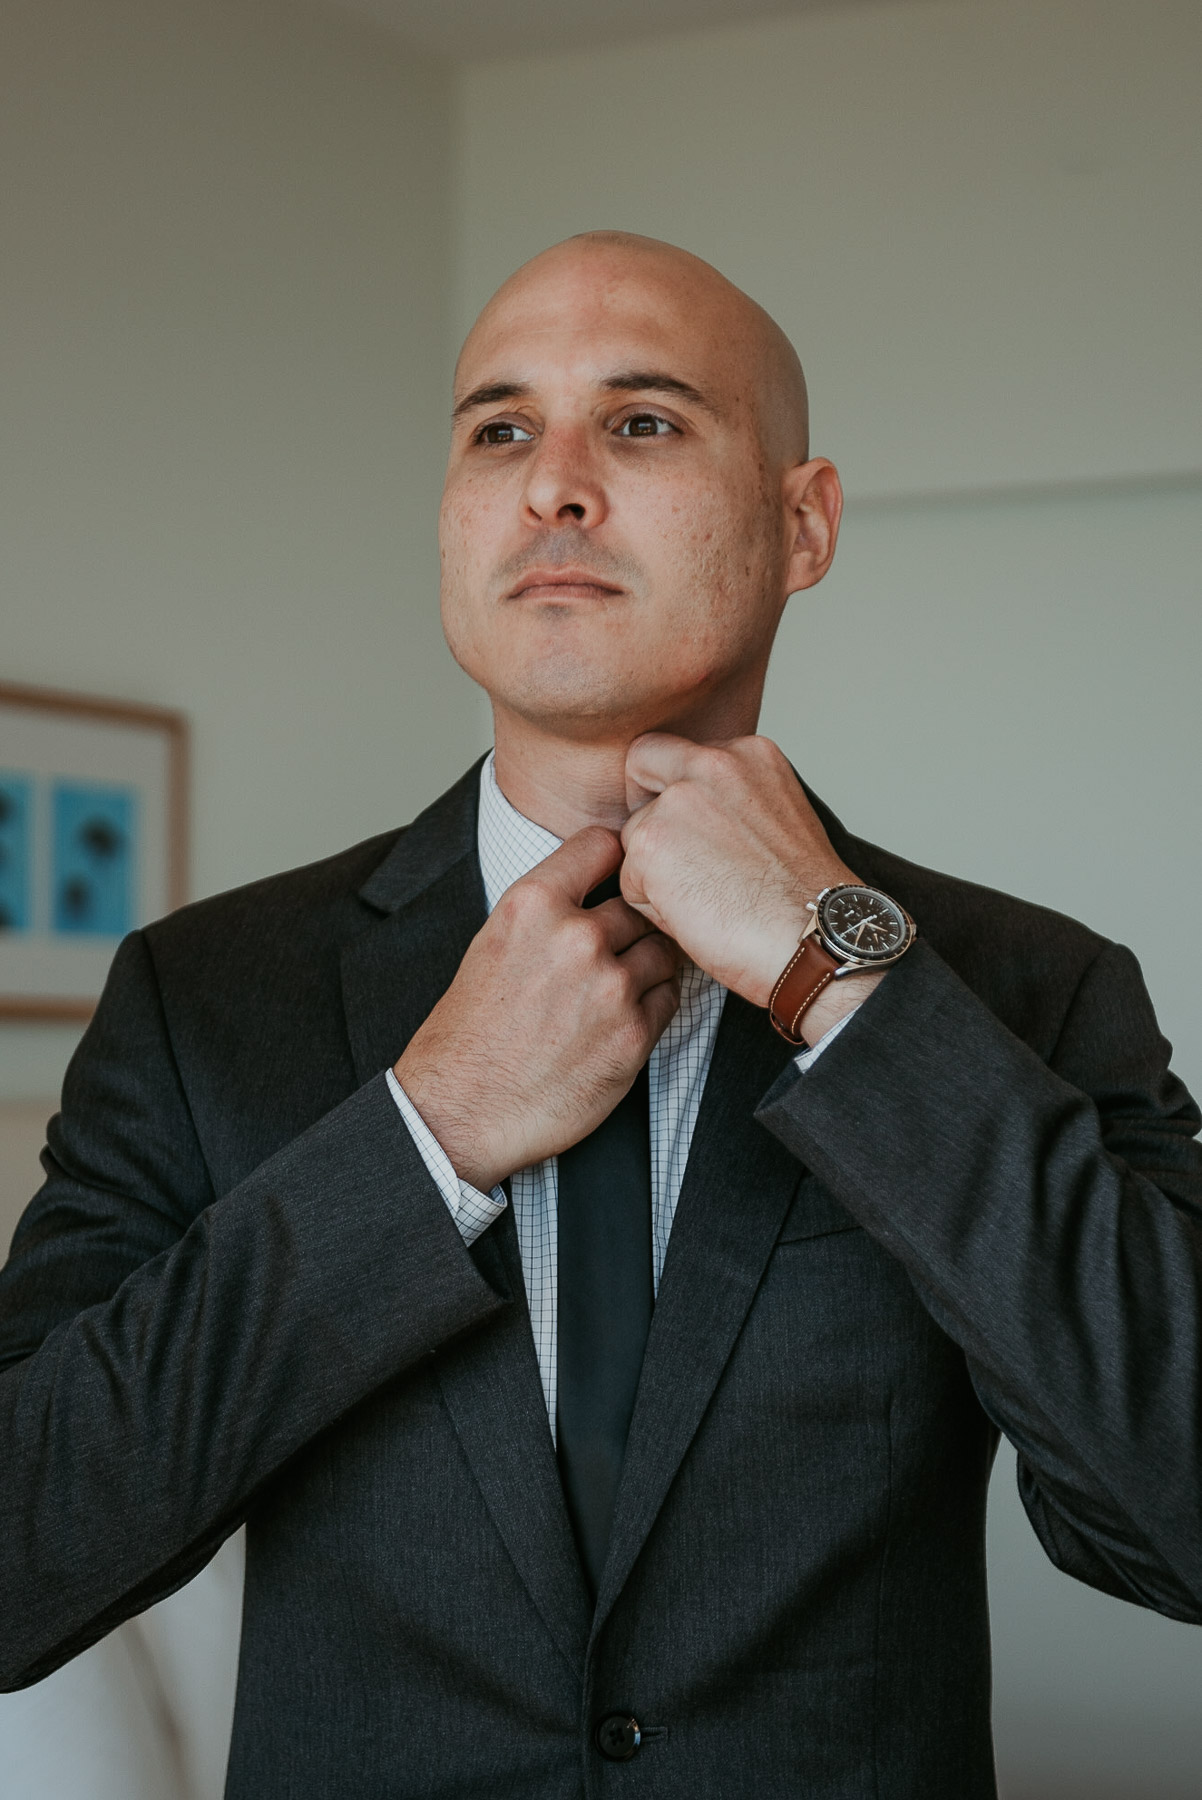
[[93, 840]]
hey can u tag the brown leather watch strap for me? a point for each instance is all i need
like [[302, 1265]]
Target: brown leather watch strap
[[801, 981]]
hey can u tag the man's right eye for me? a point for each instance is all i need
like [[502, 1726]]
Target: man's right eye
[[503, 431]]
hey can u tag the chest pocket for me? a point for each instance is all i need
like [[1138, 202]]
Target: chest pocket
[[814, 1213]]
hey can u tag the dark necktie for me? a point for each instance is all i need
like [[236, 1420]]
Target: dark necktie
[[604, 1305]]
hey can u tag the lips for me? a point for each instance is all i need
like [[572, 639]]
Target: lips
[[568, 583]]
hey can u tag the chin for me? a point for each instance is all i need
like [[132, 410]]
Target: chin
[[577, 699]]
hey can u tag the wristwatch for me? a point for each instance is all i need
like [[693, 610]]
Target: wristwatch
[[851, 928]]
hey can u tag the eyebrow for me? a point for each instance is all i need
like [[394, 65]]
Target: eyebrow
[[655, 381], [627, 381], [489, 395]]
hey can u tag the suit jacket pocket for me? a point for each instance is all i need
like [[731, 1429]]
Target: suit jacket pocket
[[814, 1213]]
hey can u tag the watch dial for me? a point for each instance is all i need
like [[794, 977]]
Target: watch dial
[[864, 923]]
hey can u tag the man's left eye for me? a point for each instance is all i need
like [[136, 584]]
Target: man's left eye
[[644, 425]]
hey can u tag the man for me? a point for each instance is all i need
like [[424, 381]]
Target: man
[[609, 1380]]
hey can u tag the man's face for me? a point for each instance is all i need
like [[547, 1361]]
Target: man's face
[[614, 540]]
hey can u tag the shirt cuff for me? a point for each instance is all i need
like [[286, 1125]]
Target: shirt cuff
[[472, 1211], [808, 1058]]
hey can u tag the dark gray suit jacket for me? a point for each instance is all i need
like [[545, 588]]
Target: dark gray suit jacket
[[240, 1297]]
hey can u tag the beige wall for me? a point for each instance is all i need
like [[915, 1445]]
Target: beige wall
[[223, 288]]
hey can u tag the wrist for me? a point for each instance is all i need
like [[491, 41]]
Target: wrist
[[777, 938], [446, 1123], [835, 1001], [856, 933]]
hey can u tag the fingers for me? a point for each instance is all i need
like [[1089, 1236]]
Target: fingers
[[653, 762], [622, 925], [659, 1006], [582, 861], [652, 960]]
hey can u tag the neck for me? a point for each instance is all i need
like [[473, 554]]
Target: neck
[[566, 782]]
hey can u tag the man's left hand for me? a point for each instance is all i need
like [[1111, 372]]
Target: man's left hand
[[723, 851]]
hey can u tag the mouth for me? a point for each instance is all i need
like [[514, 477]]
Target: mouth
[[562, 584]]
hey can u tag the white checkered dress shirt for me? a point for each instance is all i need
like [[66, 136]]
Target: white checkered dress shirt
[[510, 846]]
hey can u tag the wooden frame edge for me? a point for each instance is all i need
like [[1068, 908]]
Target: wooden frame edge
[[177, 730], [16, 1010]]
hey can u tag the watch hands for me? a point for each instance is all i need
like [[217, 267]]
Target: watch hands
[[872, 919]]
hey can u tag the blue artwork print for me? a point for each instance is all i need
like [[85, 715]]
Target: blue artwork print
[[16, 797], [94, 850]]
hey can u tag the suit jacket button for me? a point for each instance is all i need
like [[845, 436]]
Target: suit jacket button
[[618, 1737]]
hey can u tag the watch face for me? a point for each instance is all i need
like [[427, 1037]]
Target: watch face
[[864, 923]]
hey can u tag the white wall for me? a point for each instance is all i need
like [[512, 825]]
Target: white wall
[[980, 225], [978, 222], [223, 290]]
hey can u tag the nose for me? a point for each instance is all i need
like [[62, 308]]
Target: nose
[[563, 483]]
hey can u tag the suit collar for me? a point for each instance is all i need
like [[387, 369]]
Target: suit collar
[[447, 829], [842, 842], [428, 887], [436, 840]]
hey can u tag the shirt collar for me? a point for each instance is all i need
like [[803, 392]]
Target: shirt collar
[[510, 845]]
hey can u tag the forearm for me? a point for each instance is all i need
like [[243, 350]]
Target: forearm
[[136, 1437], [1070, 1275]]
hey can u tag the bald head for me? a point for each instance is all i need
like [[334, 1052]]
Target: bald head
[[629, 499], [715, 322]]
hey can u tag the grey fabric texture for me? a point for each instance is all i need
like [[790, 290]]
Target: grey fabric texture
[[240, 1297]]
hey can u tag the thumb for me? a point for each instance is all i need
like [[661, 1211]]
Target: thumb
[[653, 762], [582, 861]]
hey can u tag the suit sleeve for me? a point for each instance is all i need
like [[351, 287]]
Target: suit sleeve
[[165, 1352], [1050, 1218]]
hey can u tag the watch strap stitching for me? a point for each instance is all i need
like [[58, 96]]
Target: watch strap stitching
[[788, 1030]]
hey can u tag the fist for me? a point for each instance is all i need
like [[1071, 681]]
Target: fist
[[723, 851], [553, 1011]]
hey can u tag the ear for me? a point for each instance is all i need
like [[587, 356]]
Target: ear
[[813, 498]]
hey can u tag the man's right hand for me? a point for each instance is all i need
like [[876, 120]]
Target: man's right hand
[[552, 1014]]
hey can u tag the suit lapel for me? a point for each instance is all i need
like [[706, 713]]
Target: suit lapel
[[431, 894], [493, 1391], [738, 1184]]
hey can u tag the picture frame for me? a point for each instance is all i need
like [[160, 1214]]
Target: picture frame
[[93, 840]]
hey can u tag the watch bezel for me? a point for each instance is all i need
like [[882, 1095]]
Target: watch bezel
[[860, 959]]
